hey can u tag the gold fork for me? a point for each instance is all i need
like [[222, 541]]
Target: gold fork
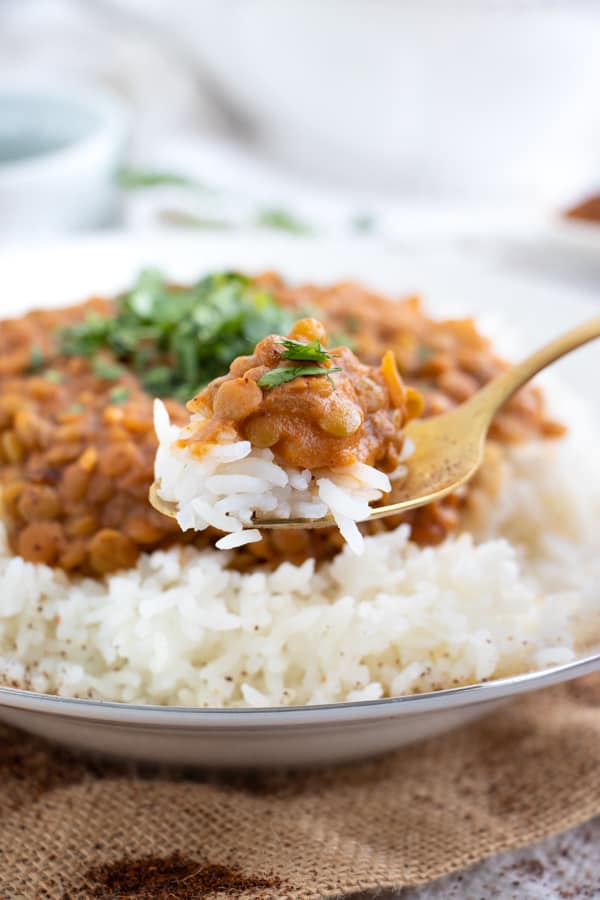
[[449, 447]]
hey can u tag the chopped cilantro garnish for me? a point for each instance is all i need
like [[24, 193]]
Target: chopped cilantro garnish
[[87, 337], [282, 220], [106, 369], [36, 359], [177, 339], [54, 376], [312, 351], [288, 373], [205, 223], [119, 395], [158, 380], [134, 179]]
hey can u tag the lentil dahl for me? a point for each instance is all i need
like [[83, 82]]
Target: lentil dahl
[[76, 437], [311, 416]]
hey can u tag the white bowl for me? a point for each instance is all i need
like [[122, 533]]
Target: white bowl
[[267, 738], [63, 272], [60, 148]]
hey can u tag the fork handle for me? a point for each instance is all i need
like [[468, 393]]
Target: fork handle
[[491, 397]]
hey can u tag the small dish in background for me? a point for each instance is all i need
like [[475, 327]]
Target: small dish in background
[[60, 148]]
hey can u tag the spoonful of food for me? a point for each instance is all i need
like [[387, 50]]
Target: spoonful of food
[[308, 477]]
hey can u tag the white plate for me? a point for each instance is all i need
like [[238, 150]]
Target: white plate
[[60, 273]]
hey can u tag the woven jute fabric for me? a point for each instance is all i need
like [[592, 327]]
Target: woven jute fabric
[[71, 828]]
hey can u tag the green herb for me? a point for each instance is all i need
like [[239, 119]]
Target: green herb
[[352, 324], [87, 337], [206, 223], [363, 223], [288, 373], [119, 395], [283, 220], [313, 351], [178, 339], [75, 408], [131, 178], [36, 359], [424, 353], [106, 369], [54, 376], [158, 380]]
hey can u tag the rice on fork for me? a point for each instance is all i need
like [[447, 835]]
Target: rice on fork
[[293, 431]]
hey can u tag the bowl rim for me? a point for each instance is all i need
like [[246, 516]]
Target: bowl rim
[[326, 713], [110, 127]]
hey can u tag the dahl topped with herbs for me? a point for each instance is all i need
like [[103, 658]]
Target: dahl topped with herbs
[[319, 383], [295, 430]]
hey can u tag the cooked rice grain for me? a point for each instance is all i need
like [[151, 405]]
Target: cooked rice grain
[[232, 481], [182, 629]]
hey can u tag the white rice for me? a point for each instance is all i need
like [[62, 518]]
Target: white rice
[[232, 481], [182, 629]]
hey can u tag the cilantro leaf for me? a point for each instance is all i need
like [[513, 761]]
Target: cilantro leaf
[[85, 338], [282, 220], [287, 373], [53, 376], [106, 369], [313, 351], [131, 178], [36, 359], [205, 223], [119, 395]]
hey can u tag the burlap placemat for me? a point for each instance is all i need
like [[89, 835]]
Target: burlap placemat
[[76, 829]]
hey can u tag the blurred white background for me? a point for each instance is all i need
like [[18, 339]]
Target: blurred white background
[[387, 117], [452, 101]]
